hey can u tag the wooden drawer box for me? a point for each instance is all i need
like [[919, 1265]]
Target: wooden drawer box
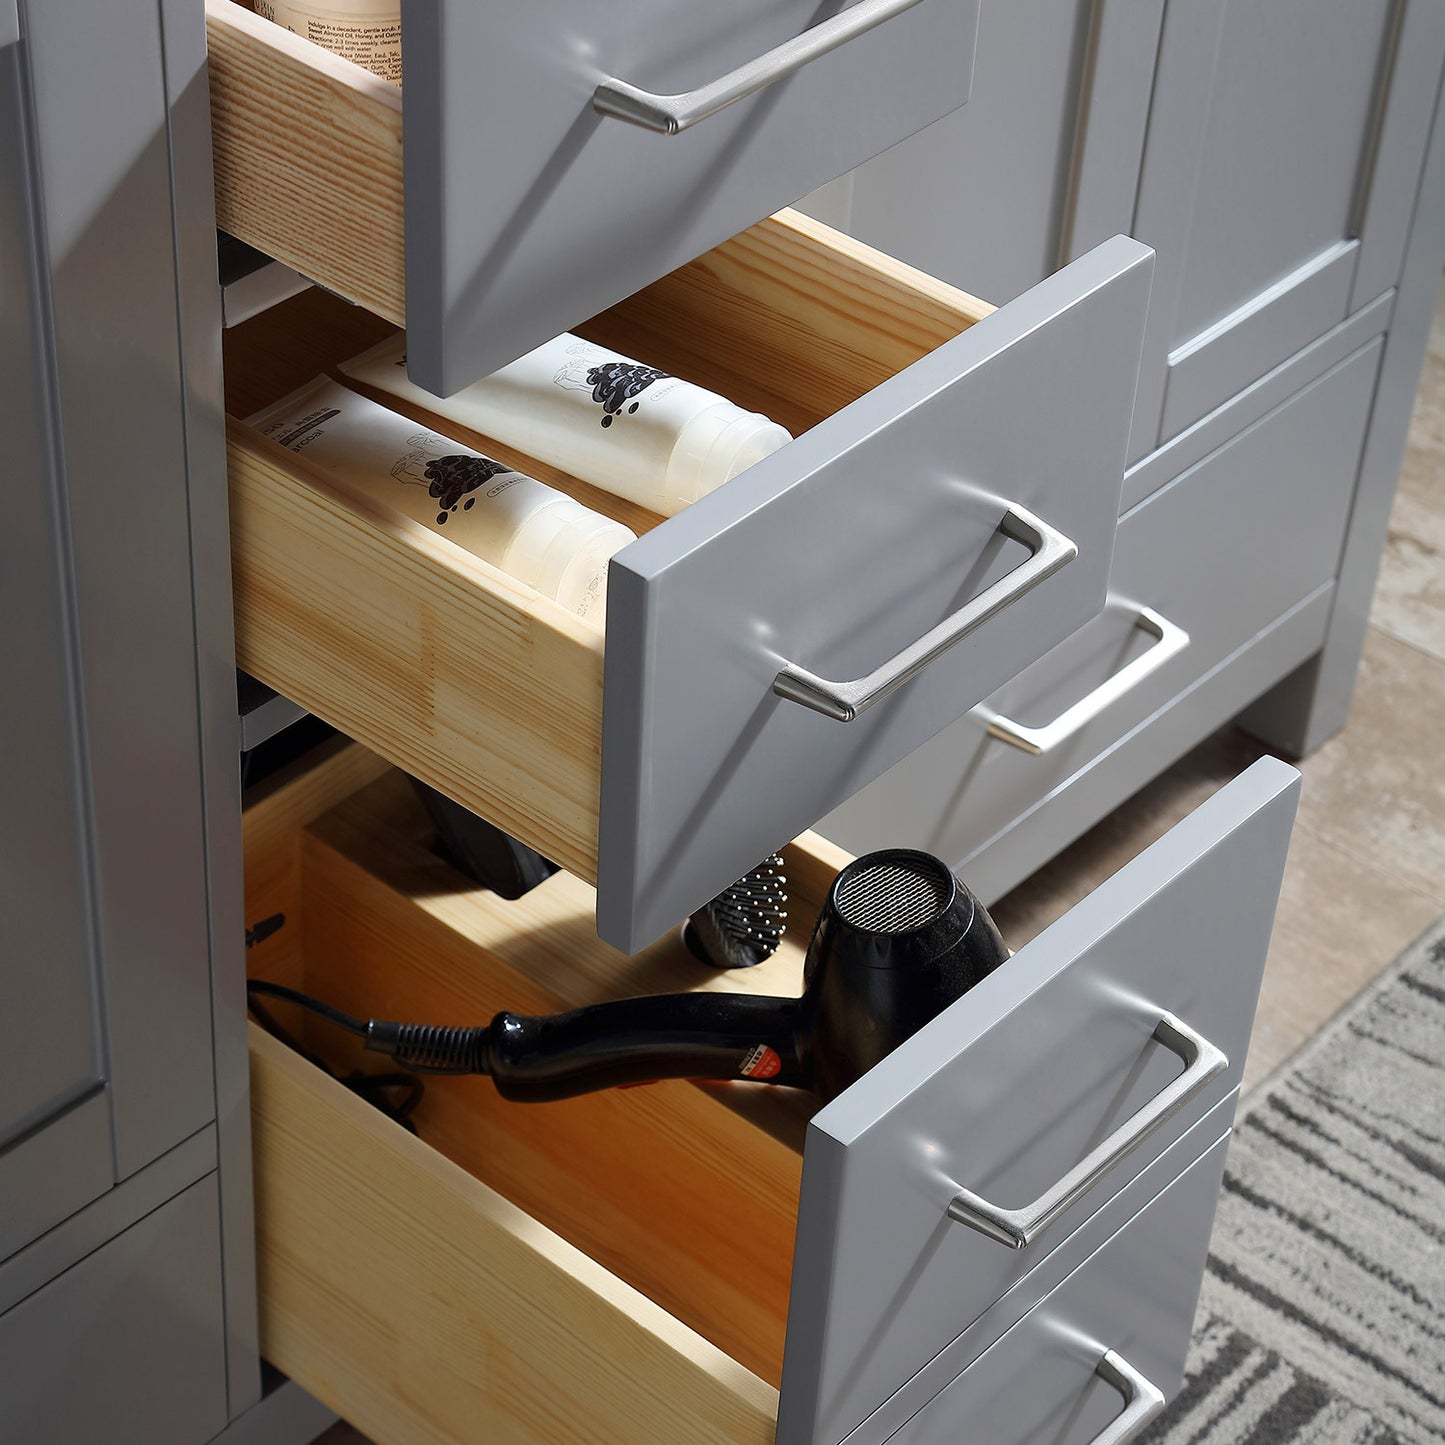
[[634, 1276], [924, 419], [508, 207]]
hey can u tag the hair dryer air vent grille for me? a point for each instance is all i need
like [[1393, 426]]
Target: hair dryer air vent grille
[[880, 894]]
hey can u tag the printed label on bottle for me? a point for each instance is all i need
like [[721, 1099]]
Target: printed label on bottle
[[373, 42], [622, 388], [760, 1062], [439, 480]]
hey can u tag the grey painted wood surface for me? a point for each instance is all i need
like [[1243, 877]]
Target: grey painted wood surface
[[189, 137], [57, 1168], [1112, 122], [125, 1347], [1006, 1091], [1314, 702], [1284, 147], [979, 197], [1223, 551], [572, 210], [1241, 412], [1135, 1296], [1055, 821], [117, 1209], [103, 165], [51, 1060], [1046, 1276], [836, 552]]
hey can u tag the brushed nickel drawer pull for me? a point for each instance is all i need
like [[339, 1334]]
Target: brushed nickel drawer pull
[[1019, 1227], [670, 114], [1049, 550], [1143, 1400], [1171, 641]]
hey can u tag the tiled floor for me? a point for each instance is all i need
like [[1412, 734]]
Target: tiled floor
[[1366, 870]]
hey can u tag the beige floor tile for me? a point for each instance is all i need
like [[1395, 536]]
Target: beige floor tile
[[1377, 790], [1410, 599], [1339, 923], [1437, 327]]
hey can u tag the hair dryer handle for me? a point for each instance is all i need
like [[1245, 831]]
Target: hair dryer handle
[[638, 1040]]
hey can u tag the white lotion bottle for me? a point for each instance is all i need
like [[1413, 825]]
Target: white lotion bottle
[[626, 427], [367, 32], [525, 528]]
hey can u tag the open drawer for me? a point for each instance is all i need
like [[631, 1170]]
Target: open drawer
[[651, 1264], [889, 548], [517, 198]]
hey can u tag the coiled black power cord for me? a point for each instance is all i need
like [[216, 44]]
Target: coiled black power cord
[[395, 1094], [421, 1048]]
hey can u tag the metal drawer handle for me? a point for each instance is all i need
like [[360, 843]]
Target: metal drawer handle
[[669, 114], [1172, 640], [1019, 1227], [1143, 1400], [1048, 551]]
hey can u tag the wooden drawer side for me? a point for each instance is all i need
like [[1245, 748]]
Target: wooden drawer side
[[417, 649], [519, 1336], [307, 150]]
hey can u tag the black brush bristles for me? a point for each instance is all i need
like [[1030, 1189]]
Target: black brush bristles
[[744, 924]]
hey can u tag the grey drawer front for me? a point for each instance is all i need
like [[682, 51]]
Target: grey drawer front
[[1134, 1296], [1221, 552], [1007, 1091], [528, 211], [834, 554]]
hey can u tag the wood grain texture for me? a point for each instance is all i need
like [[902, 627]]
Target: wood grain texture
[[790, 317], [415, 647], [425, 1307], [308, 157], [286, 346], [664, 1186], [274, 813]]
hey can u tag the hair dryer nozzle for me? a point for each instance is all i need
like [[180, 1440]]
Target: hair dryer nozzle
[[899, 940]]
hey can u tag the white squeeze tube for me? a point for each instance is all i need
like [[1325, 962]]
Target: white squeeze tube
[[529, 530], [367, 32], [626, 427]]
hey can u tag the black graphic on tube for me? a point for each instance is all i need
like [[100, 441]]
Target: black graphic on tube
[[451, 478], [615, 383]]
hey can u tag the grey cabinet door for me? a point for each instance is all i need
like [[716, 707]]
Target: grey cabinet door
[[125, 1347], [1005, 1096], [120, 600], [1285, 141], [1041, 165], [54, 1116]]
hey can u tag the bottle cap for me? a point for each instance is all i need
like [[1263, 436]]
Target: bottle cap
[[563, 551], [716, 445]]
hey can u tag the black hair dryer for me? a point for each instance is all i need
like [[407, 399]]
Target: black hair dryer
[[899, 940]]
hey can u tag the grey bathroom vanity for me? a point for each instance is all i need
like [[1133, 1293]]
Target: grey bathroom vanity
[[1098, 328]]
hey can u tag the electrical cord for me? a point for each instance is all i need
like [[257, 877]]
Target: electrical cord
[[379, 1090], [423, 1048]]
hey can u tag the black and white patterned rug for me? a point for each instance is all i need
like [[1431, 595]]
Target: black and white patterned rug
[[1322, 1319]]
